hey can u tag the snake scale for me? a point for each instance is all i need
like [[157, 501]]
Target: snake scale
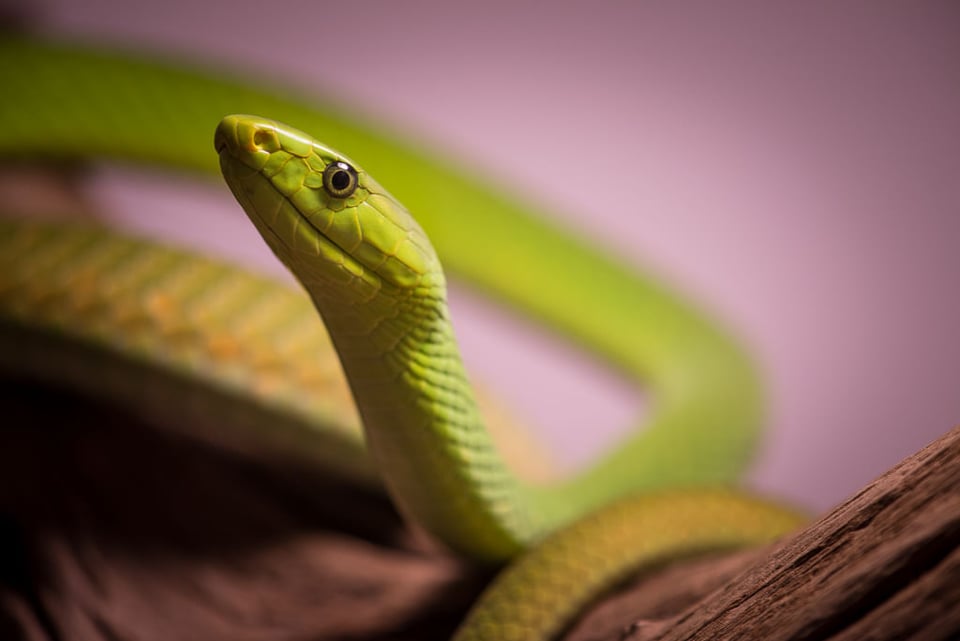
[[85, 300]]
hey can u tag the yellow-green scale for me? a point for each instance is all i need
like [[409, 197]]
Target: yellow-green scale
[[426, 435]]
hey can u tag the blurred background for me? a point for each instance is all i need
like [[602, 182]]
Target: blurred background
[[792, 167]]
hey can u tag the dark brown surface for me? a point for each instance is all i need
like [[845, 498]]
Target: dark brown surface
[[111, 530]]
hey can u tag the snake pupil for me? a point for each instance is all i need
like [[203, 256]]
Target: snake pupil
[[339, 179]]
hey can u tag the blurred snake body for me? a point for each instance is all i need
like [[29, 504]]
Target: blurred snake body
[[175, 334]]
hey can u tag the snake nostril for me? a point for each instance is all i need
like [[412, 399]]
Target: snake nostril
[[261, 138]]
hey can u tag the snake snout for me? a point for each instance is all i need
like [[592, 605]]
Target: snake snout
[[247, 140], [225, 135], [240, 135]]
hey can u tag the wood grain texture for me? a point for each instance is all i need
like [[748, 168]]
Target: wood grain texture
[[883, 565]]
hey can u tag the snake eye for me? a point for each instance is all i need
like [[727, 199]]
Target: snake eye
[[339, 179]]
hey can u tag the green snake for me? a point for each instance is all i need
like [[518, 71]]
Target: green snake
[[85, 298]]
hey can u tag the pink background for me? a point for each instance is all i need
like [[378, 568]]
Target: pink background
[[793, 166]]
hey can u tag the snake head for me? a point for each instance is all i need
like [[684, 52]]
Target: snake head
[[326, 219]]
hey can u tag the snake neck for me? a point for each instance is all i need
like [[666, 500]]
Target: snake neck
[[422, 423]]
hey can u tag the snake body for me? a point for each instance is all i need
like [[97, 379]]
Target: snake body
[[176, 337], [392, 333]]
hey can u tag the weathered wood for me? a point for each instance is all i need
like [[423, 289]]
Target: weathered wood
[[883, 565]]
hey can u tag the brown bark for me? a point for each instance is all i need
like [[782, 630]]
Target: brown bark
[[883, 565], [112, 530]]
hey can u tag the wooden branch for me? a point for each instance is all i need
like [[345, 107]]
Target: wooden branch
[[883, 565]]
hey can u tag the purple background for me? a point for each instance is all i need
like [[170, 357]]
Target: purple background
[[794, 166]]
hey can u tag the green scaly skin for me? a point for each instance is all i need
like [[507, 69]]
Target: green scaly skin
[[70, 103], [379, 286]]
